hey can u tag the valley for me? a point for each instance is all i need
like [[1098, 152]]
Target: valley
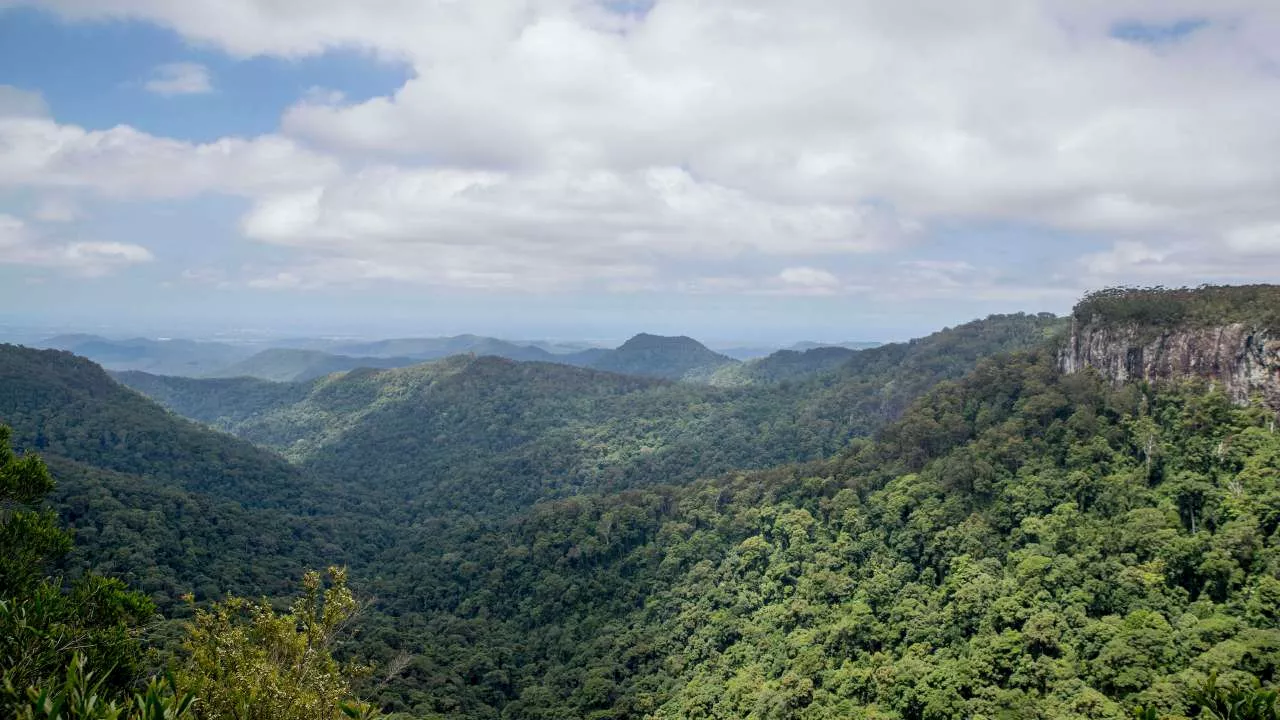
[[948, 527]]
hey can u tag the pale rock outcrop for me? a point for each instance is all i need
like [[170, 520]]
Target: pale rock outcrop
[[1244, 360]]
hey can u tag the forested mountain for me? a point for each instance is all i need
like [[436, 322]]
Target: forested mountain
[[1021, 544], [173, 507], [673, 358], [288, 365], [163, 357], [298, 358], [952, 527], [486, 435], [223, 403], [441, 347]]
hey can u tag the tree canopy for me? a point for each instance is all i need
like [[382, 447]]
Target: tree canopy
[[941, 529]]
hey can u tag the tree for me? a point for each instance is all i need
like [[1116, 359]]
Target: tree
[[46, 626], [248, 662], [29, 536], [1239, 703]]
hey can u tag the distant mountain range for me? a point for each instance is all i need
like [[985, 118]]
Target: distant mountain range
[[290, 365], [440, 347], [751, 352], [187, 358], [299, 359]]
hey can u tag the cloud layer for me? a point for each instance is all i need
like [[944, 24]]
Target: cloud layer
[[21, 245], [738, 146]]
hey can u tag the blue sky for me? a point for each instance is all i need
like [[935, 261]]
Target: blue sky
[[93, 74], [565, 169]]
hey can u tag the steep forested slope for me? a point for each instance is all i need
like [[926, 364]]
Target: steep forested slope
[[64, 406], [160, 501], [1022, 544], [173, 507], [421, 479]]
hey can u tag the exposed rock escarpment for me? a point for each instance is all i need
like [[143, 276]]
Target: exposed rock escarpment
[[1244, 359]]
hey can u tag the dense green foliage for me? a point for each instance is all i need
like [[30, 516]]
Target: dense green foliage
[[781, 366], [222, 403], [484, 435], [64, 406], [46, 625], [162, 503], [83, 695], [245, 661], [74, 651], [1022, 544], [546, 541], [1160, 307]]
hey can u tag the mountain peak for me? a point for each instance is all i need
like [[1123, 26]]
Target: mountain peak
[[672, 357], [647, 341]]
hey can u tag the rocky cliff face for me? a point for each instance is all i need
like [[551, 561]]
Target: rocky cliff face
[[1245, 360]]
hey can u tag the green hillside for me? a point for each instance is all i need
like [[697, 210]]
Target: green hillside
[[947, 528], [491, 435], [782, 366], [1021, 544], [64, 406], [223, 403], [158, 500]]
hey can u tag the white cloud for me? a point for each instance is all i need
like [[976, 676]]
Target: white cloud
[[1246, 255], [1125, 258], [1261, 239], [20, 245], [952, 280], [986, 109], [488, 228], [179, 78], [549, 143], [124, 162], [291, 28]]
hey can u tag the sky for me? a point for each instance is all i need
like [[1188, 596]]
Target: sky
[[752, 170]]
